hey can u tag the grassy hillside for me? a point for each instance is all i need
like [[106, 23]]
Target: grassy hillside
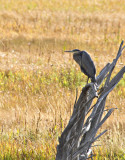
[[38, 80]]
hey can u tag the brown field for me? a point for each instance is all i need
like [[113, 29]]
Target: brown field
[[38, 80]]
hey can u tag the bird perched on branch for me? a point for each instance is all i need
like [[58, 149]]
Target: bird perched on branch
[[85, 62]]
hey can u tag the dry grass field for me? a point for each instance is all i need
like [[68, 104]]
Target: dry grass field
[[38, 80]]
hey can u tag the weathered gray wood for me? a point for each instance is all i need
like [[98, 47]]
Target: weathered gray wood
[[79, 135]]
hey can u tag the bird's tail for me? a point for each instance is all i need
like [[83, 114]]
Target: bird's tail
[[95, 82]]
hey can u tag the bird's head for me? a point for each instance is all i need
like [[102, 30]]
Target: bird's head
[[74, 50]]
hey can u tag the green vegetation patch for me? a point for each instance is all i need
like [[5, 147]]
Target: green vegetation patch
[[33, 81]]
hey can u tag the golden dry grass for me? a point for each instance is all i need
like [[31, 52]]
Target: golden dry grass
[[38, 81]]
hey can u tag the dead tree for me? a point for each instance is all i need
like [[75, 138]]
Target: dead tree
[[81, 132]]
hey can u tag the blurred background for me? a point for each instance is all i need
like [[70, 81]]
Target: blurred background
[[38, 80]]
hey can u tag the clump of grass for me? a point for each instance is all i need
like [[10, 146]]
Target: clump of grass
[[22, 147], [111, 149]]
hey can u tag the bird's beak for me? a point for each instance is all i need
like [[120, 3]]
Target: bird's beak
[[68, 51]]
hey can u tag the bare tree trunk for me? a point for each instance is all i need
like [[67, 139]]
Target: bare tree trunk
[[77, 138]]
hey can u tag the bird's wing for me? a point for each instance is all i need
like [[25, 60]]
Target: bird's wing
[[77, 57], [88, 65]]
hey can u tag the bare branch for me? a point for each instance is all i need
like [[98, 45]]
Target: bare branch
[[77, 138]]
